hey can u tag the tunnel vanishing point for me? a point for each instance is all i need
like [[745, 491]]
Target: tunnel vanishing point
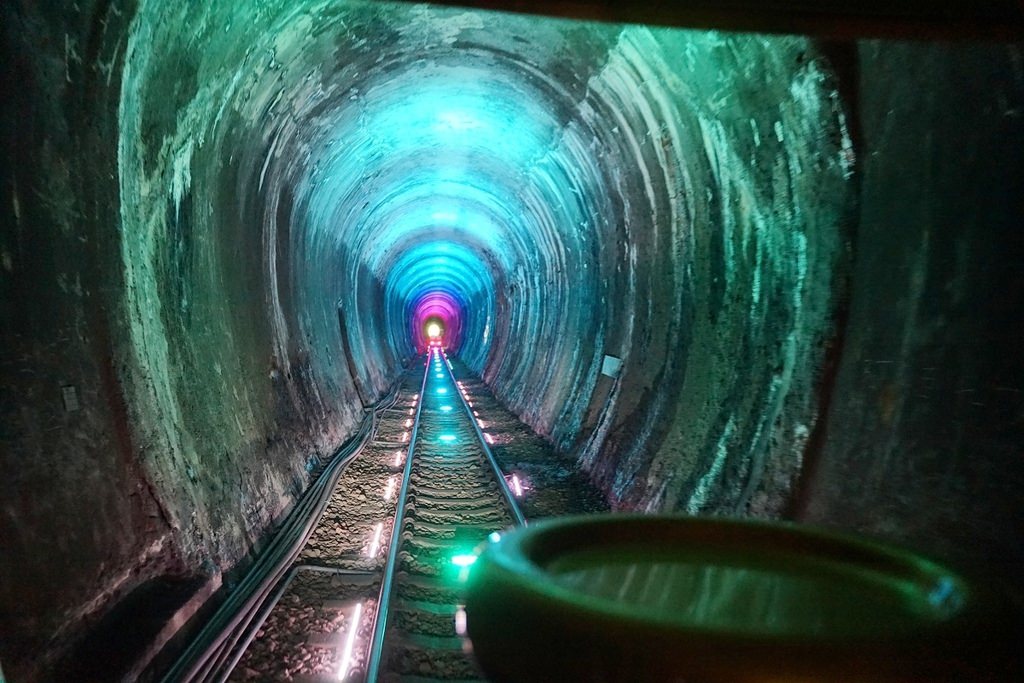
[[227, 225]]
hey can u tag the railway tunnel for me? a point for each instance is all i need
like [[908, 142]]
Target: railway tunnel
[[759, 274]]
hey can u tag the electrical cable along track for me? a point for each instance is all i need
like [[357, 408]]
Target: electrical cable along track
[[453, 497], [340, 595]]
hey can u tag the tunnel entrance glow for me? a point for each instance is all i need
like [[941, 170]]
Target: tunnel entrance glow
[[433, 331]]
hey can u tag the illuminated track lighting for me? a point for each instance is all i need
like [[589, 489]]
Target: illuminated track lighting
[[375, 540], [463, 559], [350, 641], [517, 486], [460, 620]]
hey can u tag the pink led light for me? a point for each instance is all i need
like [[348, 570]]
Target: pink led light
[[389, 490], [350, 641], [398, 458], [489, 438], [405, 436], [375, 541], [517, 487], [408, 423], [460, 620]]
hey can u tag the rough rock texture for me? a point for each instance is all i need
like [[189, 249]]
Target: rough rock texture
[[220, 222], [80, 521], [923, 439]]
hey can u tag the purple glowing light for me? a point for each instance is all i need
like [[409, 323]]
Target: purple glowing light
[[460, 621], [441, 309]]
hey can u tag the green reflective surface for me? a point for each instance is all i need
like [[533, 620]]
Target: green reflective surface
[[798, 596]]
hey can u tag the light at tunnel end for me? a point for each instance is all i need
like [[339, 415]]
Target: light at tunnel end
[[437, 318]]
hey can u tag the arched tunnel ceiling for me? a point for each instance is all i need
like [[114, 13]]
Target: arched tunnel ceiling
[[456, 140], [568, 189]]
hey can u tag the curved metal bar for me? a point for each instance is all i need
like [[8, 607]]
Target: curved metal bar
[[380, 620], [510, 499]]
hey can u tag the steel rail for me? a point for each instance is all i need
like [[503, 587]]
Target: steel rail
[[269, 605], [375, 655], [380, 619], [219, 667], [204, 658], [231, 652], [510, 499]]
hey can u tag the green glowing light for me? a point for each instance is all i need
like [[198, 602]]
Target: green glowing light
[[463, 560]]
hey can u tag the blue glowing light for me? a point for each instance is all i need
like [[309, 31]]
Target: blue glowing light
[[432, 184], [447, 438], [442, 390], [456, 121], [446, 409]]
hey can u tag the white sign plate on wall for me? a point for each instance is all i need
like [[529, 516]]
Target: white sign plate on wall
[[611, 366]]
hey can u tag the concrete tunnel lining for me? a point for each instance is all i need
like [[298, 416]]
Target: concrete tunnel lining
[[687, 201], [521, 163]]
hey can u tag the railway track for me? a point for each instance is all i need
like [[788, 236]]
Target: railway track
[[352, 600], [453, 496]]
